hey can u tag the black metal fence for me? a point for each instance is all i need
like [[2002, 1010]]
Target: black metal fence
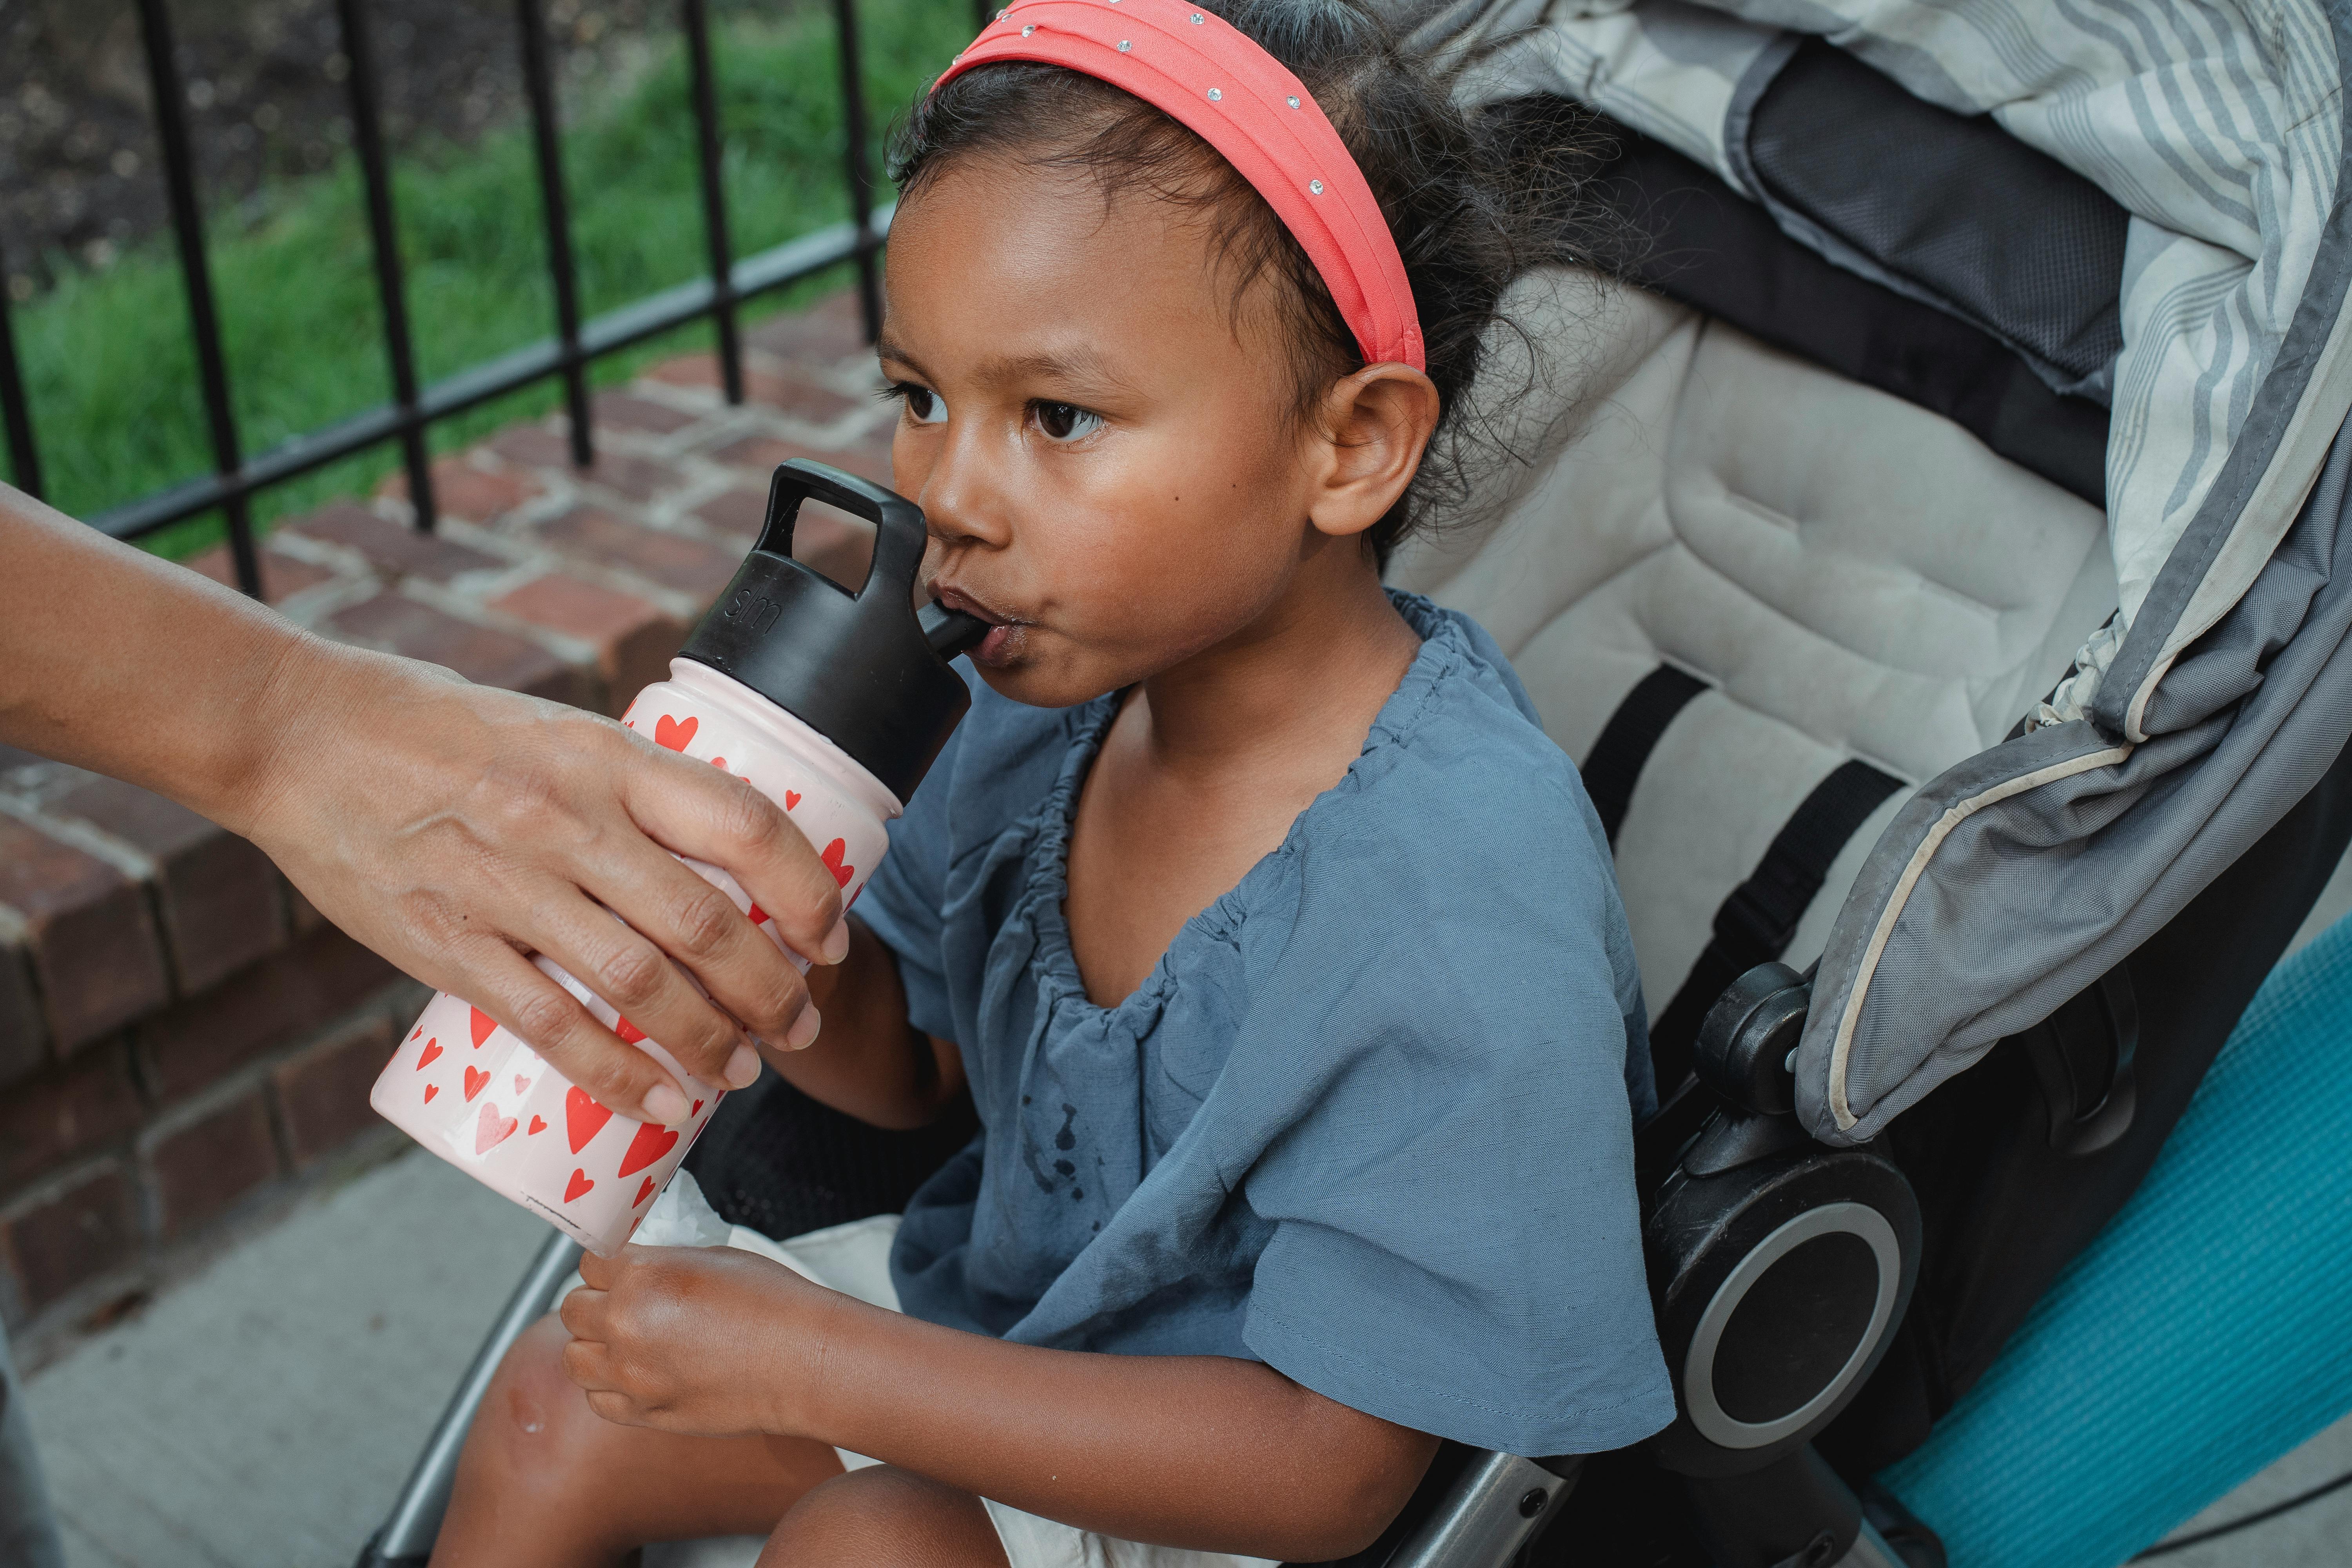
[[577, 344]]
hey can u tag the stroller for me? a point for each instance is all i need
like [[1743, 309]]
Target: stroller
[[1924, 544]]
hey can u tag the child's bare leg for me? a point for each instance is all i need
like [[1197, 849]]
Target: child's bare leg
[[883, 1514], [545, 1480]]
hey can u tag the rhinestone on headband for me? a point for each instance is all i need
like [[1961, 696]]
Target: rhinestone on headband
[[1124, 45], [1196, 18], [1316, 186], [1292, 100], [1217, 95], [1029, 29]]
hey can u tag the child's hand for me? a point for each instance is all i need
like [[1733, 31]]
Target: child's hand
[[711, 1341]]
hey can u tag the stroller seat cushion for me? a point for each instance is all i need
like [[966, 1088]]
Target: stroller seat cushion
[[1851, 575]]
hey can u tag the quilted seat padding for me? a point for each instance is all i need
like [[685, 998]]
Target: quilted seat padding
[[1854, 576]]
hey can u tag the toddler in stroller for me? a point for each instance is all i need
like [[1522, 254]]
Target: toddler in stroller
[[1968, 384], [1176, 905]]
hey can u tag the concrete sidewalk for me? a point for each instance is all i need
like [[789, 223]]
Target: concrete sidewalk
[[263, 1413]]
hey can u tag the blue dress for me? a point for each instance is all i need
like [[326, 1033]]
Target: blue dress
[[1369, 1120]]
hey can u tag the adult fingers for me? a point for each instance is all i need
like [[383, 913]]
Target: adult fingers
[[550, 1020], [637, 979], [700, 928], [702, 813]]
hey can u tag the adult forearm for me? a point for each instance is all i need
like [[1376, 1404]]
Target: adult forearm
[[133, 667], [1203, 1451]]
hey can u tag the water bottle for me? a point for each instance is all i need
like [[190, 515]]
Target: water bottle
[[831, 704]]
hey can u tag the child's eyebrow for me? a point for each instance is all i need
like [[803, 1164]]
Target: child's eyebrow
[[1077, 366]]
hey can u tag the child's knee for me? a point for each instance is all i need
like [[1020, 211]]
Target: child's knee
[[883, 1514], [534, 1427]]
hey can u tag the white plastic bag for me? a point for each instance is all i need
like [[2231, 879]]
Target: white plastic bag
[[682, 1216]]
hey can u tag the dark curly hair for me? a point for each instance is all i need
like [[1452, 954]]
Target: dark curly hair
[[1466, 221]]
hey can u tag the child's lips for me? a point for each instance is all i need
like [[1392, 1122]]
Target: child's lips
[[1003, 643]]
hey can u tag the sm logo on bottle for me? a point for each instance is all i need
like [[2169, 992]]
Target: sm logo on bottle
[[753, 612]]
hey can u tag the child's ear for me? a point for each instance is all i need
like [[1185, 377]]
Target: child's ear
[[1363, 449]]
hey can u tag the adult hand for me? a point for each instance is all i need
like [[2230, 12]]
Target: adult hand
[[663, 1337], [453, 828]]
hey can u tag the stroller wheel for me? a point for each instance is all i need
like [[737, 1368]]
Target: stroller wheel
[[1778, 1284]]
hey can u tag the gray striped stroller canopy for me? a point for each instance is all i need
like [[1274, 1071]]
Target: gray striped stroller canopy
[[2196, 153]]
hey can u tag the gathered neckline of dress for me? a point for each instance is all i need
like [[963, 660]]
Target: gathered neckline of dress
[[1443, 647]]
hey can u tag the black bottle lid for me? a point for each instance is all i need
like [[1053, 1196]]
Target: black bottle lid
[[862, 669]]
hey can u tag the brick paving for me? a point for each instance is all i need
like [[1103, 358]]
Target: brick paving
[[181, 1041]]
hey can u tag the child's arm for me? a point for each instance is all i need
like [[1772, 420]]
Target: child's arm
[[867, 1060], [1203, 1451], [451, 827]]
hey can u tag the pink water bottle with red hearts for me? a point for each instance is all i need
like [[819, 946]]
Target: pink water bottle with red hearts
[[831, 704]]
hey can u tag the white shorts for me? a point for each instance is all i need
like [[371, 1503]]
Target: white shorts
[[855, 1260]]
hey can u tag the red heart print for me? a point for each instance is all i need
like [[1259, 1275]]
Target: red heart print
[[670, 733], [582, 1118], [643, 1193], [522, 1084], [430, 1091], [416, 1031], [627, 1031], [759, 916], [483, 1024], [578, 1185], [491, 1130], [424, 1057], [652, 1142], [718, 762], [538, 1125], [475, 1081], [792, 799], [698, 1106], [832, 859]]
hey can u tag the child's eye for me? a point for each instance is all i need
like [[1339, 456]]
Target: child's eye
[[1065, 421], [924, 406]]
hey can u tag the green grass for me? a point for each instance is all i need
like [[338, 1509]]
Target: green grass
[[108, 360]]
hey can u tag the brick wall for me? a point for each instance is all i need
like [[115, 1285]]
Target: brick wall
[[183, 1042]]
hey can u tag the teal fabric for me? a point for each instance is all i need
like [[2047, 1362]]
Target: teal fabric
[[2206, 1331]]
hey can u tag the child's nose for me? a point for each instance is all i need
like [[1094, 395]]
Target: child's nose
[[964, 495]]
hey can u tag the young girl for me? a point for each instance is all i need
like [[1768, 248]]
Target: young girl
[[1276, 943]]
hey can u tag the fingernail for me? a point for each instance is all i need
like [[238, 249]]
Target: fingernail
[[804, 1030], [743, 1068], [837, 941], [665, 1105]]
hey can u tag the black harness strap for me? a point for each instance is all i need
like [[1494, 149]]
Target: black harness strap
[[1627, 740], [1755, 924]]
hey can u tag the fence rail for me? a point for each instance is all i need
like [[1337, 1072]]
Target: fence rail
[[567, 355]]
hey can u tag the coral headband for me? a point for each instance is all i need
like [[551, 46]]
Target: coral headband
[[1210, 76]]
